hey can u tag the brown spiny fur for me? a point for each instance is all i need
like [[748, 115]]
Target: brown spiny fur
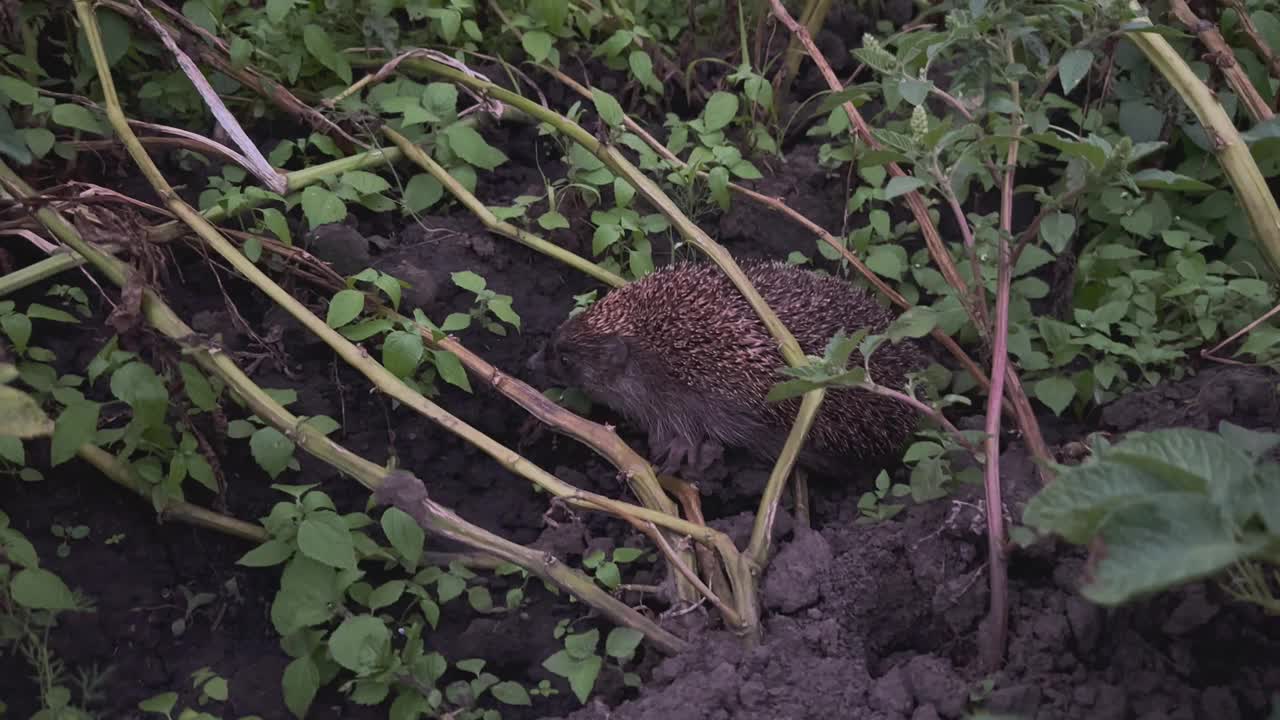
[[683, 355]]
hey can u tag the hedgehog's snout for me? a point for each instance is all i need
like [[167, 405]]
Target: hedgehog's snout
[[537, 363]]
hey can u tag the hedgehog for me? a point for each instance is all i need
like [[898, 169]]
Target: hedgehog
[[681, 354]]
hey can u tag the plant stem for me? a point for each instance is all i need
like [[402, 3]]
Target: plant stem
[[1250, 186], [320, 446], [186, 512], [766, 515], [477, 208]]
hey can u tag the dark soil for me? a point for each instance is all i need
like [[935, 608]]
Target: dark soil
[[862, 621]]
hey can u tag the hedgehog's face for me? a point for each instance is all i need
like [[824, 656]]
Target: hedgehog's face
[[594, 363]]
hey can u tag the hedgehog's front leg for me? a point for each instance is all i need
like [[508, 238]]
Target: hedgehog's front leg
[[680, 452]]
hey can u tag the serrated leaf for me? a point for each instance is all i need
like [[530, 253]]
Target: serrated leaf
[[581, 674], [1194, 459], [323, 537], [322, 207], [1162, 542], [386, 594], [271, 450], [359, 642], [1075, 503], [365, 182]]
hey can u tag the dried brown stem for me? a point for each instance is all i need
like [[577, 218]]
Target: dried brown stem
[[1221, 56], [1255, 38]]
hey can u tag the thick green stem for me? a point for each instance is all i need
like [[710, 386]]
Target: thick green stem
[[320, 446], [486, 216], [1232, 152], [186, 512], [762, 531]]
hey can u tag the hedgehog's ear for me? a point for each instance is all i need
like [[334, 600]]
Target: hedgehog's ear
[[614, 352]]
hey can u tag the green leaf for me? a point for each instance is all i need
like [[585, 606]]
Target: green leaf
[[77, 118], [479, 598], [470, 146], [451, 369], [510, 693], [386, 594], [36, 311], [21, 416], [138, 386], [537, 44], [1161, 542], [609, 575], [455, 322], [300, 683], [11, 449], [1056, 230], [344, 307], [405, 535], [197, 387], [359, 643], [642, 68], [18, 90], [449, 587], [916, 322], [365, 182], [271, 450], [581, 674], [320, 45], [1056, 393], [40, 589], [901, 185], [582, 645], [1194, 459], [76, 426], [622, 642], [720, 110], [469, 281], [607, 107], [626, 555], [401, 353], [308, 595], [886, 260], [39, 140], [271, 552], [162, 704], [323, 537], [1075, 503], [322, 206], [18, 327], [422, 192], [1072, 68], [1153, 179]]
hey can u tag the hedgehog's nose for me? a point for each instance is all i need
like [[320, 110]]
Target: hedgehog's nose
[[538, 360]]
